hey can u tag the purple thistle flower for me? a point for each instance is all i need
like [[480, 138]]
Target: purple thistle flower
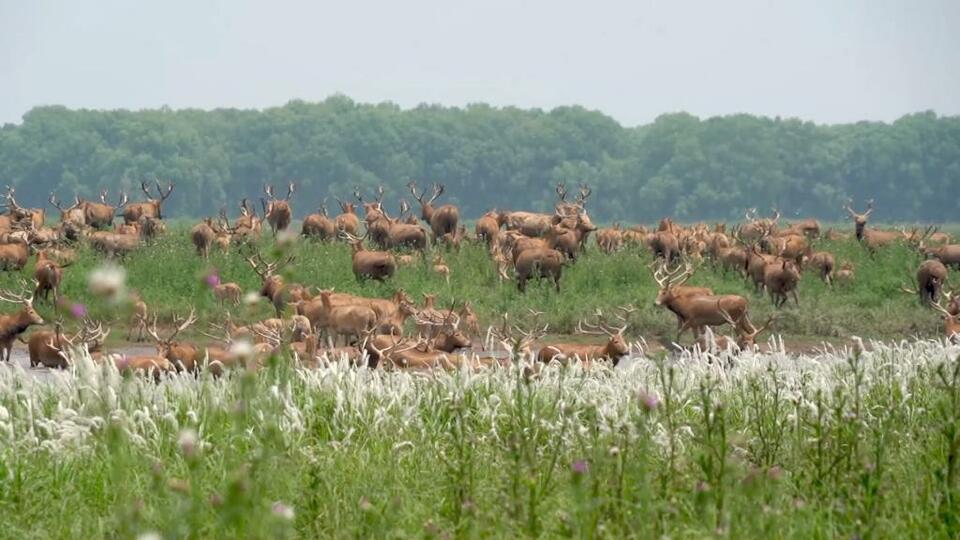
[[212, 279], [78, 311], [649, 401], [580, 466]]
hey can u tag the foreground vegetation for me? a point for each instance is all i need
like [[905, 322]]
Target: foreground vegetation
[[171, 279], [842, 444]]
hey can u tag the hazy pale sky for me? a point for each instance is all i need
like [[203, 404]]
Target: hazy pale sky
[[822, 60]]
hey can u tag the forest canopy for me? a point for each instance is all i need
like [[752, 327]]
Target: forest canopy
[[487, 157]]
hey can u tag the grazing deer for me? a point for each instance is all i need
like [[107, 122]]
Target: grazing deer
[[931, 276], [376, 265], [48, 275], [442, 220], [277, 211], [872, 239], [272, 285], [14, 324], [149, 208], [100, 215], [319, 226], [614, 349]]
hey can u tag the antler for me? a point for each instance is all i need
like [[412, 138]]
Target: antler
[[562, 192], [290, 188], [413, 191], [585, 192], [192, 318], [437, 191], [56, 204], [268, 190], [7, 295]]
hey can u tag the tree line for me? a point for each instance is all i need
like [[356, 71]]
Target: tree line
[[490, 157]]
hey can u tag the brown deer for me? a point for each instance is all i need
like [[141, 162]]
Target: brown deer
[[348, 320], [780, 278], [539, 263], [756, 262], [442, 220], [182, 356], [872, 239], [48, 274], [931, 276], [138, 318], [50, 348], [610, 240], [948, 254], [614, 349], [100, 215], [845, 274], [272, 285], [347, 221], [202, 235], [951, 324], [823, 263], [487, 228], [694, 311], [248, 225], [376, 265], [746, 339], [319, 226], [227, 292], [14, 324], [32, 216], [277, 211], [151, 207], [72, 215], [14, 254], [441, 269]]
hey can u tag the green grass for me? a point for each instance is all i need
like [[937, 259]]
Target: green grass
[[170, 278], [773, 446]]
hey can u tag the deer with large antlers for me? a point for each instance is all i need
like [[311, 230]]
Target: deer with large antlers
[[442, 220], [746, 339], [14, 324], [615, 348], [319, 226], [19, 214], [951, 323], [183, 356], [151, 207], [248, 225], [693, 309], [872, 239], [276, 211], [272, 284], [50, 348], [376, 265], [71, 215], [99, 215]]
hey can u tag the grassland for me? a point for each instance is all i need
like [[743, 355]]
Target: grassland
[[170, 278], [841, 445]]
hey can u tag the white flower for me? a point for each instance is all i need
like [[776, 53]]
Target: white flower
[[107, 281], [242, 350], [286, 237], [149, 535], [188, 442], [282, 511], [251, 298]]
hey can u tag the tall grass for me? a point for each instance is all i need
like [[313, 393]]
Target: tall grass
[[169, 276], [839, 444]]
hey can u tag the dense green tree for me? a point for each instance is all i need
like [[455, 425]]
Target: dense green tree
[[678, 165]]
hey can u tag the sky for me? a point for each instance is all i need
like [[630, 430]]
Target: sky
[[828, 61]]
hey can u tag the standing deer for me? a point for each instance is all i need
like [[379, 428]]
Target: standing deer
[[694, 311], [138, 319], [347, 221], [319, 226], [780, 278], [248, 224], [202, 235], [872, 239], [277, 211], [442, 220], [48, 274], [931, 276], [100, 215], [149, 208], [376, 265], [487, 228], [273, 287], [14, 324]]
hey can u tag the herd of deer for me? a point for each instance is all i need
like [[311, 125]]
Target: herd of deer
[[310, 322]]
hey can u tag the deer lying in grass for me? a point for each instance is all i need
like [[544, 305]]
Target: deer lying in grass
[[951, 323], [14, 324], [615, 348], [746, 339], [51, 348], [182, 356]]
